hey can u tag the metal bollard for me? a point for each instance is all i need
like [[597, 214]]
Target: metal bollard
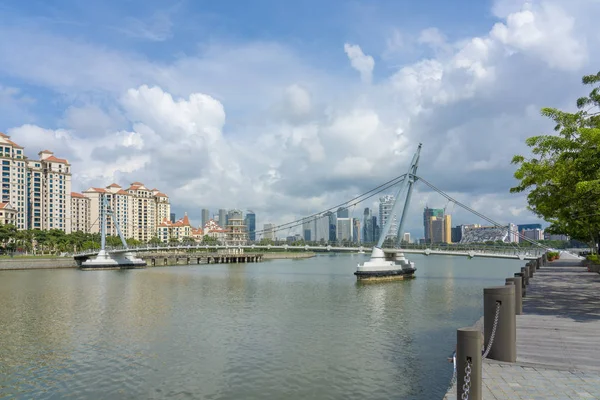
[[531, 265], [516, 281], [525, 272], [468, 349], [504, 342], [523, 286], [538, 262]]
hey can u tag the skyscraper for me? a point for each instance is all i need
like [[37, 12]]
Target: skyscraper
[[356, 234], [386, 203], [367, 236], [322, 229], [269, 231], [428, 214], [332, 226], [174, 218], [251, 225], [222, 218], [309, 229], [342, 212], [205, 216]]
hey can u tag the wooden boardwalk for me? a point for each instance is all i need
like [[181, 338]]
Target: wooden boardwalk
[[560, 325], [558, 339]]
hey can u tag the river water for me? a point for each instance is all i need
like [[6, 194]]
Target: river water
[[281, 329]]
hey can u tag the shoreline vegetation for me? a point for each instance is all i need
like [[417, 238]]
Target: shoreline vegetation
[[561, 173]]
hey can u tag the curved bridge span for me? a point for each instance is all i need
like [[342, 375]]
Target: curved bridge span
[[466, 251]]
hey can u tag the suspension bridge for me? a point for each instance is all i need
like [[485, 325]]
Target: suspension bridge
[[382, 259]]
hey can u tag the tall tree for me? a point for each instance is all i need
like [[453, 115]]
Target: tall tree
[[562, 177]]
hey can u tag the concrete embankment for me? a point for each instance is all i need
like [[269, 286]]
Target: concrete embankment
[[36, 263], [287, 256]]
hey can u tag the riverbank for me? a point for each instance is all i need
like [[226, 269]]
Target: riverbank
[[288, 255], [557, 352], [29, 262]]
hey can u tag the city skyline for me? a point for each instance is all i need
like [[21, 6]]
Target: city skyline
[[125, 100]]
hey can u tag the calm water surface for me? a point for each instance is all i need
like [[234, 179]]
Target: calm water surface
[[285, 329]]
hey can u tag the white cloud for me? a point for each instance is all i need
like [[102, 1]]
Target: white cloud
[[545, 31], [360, 61], [257, 126]]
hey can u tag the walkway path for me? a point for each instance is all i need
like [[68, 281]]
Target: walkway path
[[558, 339]]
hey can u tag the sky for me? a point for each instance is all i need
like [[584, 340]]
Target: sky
[[288, 108]]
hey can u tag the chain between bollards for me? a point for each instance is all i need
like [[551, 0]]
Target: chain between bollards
[[467, 383], [493, 334]]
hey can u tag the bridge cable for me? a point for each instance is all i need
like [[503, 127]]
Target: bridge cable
[[352, 202], [477, 213]]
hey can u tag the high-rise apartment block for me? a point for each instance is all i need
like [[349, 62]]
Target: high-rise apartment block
[[39, 190], [138, 210], [80, 213]]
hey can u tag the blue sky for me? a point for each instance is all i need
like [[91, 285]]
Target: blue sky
[[288, 107]]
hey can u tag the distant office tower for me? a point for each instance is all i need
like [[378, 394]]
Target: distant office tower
[[386, 203], [269, 231], [174, 218], [532, 234], [205, 216], [251, 225], [367, 235], [332, 226], [513, 233], [222, 218], [456, 234], [356, 234], [344, 229], [342, 212], [439, 229], [376, 229], [308, 230], [322, 228], [406, 237], [428, 214]]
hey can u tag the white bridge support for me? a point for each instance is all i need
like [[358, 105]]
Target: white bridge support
[[392, 266], [111, 260]]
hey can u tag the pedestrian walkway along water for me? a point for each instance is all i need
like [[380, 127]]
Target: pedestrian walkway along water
[[558, 346]]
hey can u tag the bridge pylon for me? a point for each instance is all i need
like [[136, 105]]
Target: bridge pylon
[[105, 259]]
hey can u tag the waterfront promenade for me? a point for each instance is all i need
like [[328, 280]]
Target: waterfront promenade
[[558, 351]]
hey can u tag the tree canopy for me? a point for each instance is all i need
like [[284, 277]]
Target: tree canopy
[[562, 176]]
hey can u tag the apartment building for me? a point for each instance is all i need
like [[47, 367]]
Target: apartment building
[[136, 209], [80, 213], [180, 229], [14, 179], [56, 192]]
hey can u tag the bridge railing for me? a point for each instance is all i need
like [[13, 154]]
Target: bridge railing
[[457, 247]]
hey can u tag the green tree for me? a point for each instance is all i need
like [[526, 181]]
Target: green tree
[[562, 176], [155, 241], [209, 240]]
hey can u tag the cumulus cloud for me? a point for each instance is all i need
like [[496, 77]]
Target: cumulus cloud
[[256, 126], [360, 61]]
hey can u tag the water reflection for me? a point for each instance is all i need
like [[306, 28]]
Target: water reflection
[[280, 329]]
